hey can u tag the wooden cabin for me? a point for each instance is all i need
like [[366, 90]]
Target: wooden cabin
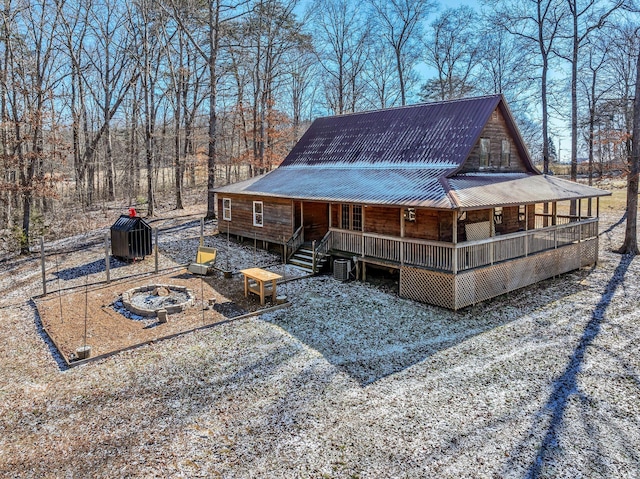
[[444, 192]]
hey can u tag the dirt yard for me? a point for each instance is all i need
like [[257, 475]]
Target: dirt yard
[[348, 382], [110, 328]]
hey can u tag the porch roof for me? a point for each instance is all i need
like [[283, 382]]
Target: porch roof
[[411, 187], [473, 191]]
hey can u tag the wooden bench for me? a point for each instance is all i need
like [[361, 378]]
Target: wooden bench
[[205, 258]]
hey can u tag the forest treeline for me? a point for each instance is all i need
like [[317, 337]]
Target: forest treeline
[[110, 99]]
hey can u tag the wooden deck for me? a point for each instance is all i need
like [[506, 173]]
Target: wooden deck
[[458, 257], [458, 275]]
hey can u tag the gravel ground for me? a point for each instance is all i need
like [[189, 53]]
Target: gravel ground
[[349, 382]]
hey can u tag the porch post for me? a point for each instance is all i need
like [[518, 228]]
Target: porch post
[[579, 220], [402, 236], [454, 250], [598, 207], [492, 233], [330, 204], [554, 220], [526, 228]]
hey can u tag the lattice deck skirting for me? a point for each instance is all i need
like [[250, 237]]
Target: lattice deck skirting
[[473, 286]]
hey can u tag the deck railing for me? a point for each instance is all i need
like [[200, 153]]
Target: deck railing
[[449, 257], [546, 219], [294, 242], [349, 241]]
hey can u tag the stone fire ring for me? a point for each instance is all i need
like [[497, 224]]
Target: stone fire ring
[[176, 307]]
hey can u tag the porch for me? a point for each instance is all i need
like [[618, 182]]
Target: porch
[[455, 275], [454, 258]]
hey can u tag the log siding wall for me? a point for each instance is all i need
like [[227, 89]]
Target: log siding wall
[[496, 130], [277, 218]]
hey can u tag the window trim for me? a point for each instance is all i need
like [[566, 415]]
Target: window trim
[[226, 210], [259, 214]]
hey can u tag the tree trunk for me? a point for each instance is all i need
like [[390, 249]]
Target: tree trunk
[[214, 38], [630, 245]]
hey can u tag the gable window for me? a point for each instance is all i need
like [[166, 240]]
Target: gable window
[[485, 147], [258, 217], [226, 209], [357, 218], [505, 157], [345, 222]]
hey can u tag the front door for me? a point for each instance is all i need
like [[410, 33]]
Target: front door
[[316, 220]]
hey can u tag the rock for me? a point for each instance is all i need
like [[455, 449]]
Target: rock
[[161, 291]]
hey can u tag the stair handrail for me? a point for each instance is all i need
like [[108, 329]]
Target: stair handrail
[[321, 248], [294, 242]]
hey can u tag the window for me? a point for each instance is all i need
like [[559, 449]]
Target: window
[[345, 221], [522, 212], [257, 214], [226, 209], [351, 217], [505, 157], [357, 218], [485, 147]]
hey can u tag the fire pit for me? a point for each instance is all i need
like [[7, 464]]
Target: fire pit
[[148, 300]]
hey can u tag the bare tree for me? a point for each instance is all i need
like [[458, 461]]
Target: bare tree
[[630, 245], [452, 49], [536, 24], [275, 35], [380, 74], [585, 18], [341, 35], [30, 48], [594, 89], [110, 60], [301, 84], [399, 21], [216, 13]]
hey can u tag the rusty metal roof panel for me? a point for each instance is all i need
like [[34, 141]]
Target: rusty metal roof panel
[[487, 190], [419, 187], [442, 133]]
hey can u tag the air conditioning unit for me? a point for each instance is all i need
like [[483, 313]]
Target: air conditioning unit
[[341, 269]]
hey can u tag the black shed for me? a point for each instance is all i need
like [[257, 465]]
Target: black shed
[[130, 238]]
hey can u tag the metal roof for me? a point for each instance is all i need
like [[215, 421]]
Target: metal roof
[[406, 156], [128, 223], [473, 191], [431, 133], [390, 186]]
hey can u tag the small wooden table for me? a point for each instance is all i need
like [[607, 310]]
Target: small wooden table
[[260, 276]]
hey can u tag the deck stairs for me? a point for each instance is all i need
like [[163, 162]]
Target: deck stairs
[[303, 259]]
